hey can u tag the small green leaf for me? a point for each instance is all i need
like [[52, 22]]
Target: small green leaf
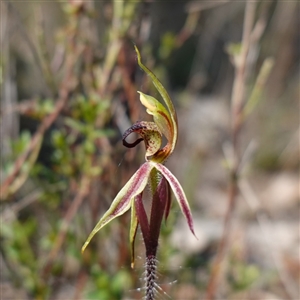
[[74, 124], [234, 49], [259, 86]]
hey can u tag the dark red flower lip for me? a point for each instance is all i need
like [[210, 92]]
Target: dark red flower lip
[[130, 130], [149, 133]]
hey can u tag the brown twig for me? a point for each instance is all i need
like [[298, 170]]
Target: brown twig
[[82, 193], [82, 280], [128, 84], [66, 87], [11, 212], [264, 223], [43, 50], [29, 42], [197, 6], [194, 9], [237, 102]]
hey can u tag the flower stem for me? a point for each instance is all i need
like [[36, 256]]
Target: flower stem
[[150, 277], [150, 229]]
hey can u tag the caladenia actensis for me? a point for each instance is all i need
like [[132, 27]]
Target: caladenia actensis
[[153, 174]]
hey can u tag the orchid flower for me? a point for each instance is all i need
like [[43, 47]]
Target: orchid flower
[[152, 173]]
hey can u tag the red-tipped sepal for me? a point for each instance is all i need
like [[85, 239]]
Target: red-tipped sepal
[[179, 194], [122, 202]]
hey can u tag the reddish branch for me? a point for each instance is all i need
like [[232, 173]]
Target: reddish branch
[[237, 102], [82, 193], [66, 87]]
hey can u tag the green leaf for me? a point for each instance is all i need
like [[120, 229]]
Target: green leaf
[[76, 125], [259, 86]]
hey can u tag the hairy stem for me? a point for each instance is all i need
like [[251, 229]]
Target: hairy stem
[[151, 228], [150, 277]]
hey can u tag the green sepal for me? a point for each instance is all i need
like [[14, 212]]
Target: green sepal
[[122, 202], [160, 114], [133, 229], [164, 94]]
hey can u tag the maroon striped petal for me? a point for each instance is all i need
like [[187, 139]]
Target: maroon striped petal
[[169, 202], [178, 192], [159, 200], [123, 200]]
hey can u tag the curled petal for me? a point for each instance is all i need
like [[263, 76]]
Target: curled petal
[[131, 145], [179, 194], [122, 202], [150, 134]]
